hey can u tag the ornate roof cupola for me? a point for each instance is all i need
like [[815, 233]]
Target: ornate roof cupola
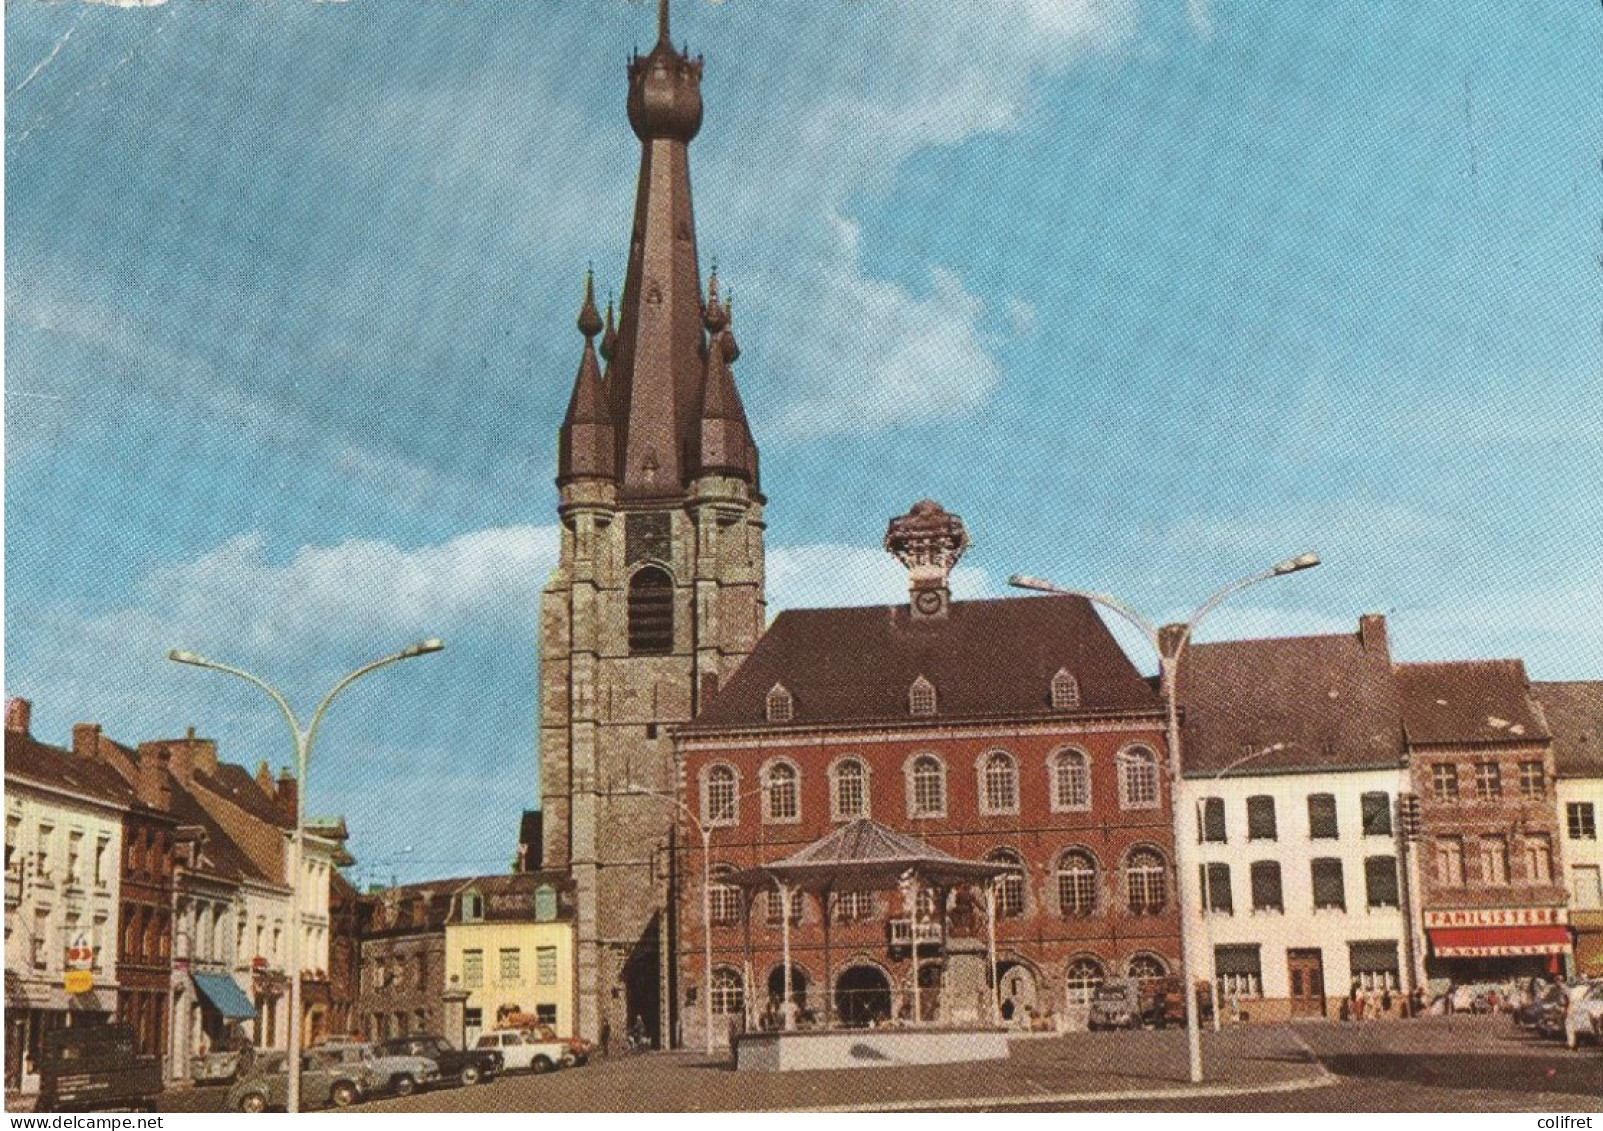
[[928, 542], [656, 370], [725, 440], [586, 446]]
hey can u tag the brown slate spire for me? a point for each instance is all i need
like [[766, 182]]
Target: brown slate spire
[[586, 445], [656, 370], [725, 441]]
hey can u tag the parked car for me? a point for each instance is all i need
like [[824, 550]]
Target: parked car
[[397, 1074], [470, 1066], [96, 1068], [524, 1051], [326, 1081], [579, 1049], [1131, 1003], [1583, 1018], [1544, 1012]]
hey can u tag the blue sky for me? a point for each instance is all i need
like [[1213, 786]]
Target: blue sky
[[1151, 293]]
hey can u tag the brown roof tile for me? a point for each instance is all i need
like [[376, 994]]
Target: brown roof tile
[[31, 760], [1331, 700], [1574, 713], [1468, 701], [987, 659]]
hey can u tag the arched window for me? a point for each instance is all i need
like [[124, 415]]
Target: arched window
[[1065, 690], [1071, 781], [545, 903], [1144, 881], [921, 697], [926, 793], [651, 612], [1009, 886], [1084, 976], [1146, 966], [723, 900], [781, 793], [1138, 778], [781, 707], [999, 783], [848, 790], [720, 786], [1077, 883], [728, 992]]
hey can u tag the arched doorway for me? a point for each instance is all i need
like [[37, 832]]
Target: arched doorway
[[862, 996], [798, 985], [1018, 993]]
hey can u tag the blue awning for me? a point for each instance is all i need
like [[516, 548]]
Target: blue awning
[[224, 993]]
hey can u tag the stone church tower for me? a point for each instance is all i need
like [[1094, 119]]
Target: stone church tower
[[658, 594]]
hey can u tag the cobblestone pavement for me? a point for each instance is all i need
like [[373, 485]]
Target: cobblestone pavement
[[1434, 1064]]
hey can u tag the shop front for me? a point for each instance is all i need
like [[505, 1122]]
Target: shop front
[[1498, 944]]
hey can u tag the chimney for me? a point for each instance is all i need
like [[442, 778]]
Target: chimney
[[85, 739], [152, 784], [287, 790], [264, 777], [928, 542], [19, 715], [1372, 632]]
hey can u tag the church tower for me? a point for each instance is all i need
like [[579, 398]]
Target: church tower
[[658, 593]]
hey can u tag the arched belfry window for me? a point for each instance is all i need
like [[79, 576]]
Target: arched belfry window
[[651, 612]]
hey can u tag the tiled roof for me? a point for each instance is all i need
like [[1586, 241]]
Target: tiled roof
[[865, 856], [220, 856], [1574, 713], [31, 760], [986, 659], [1330, 700], [509, 896], [1468, 701], [238, 785]]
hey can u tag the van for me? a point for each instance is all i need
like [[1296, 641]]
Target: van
[[96, 1068]]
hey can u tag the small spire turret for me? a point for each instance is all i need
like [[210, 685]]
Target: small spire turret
[[587, 443]]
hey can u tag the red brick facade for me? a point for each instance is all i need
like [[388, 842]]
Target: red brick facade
[[1037, 945]]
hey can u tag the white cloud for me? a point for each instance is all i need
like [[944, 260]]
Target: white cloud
[[315, 615]]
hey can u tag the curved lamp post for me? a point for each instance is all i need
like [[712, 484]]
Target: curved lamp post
[[1169, 649], [302, 740]]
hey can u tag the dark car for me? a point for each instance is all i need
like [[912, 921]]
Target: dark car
[[1131, 1003], [325, 1082], [96, 1068], [470, 1066], [1544, 1012]]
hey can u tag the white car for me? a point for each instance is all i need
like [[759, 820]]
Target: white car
[[1583, 1017], [524, 1051]]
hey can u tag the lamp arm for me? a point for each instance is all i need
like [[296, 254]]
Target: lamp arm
[[346, 681], [272, 693], [1214, 602]]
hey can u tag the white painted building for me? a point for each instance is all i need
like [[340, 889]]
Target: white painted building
[[1294, 761], [64, 821], [1574, 715]]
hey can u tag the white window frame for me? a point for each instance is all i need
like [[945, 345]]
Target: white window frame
[[1054, 791], [836, 813], [766, 776], [922, 700], [1131, 756], [982, 769], [910, 770], [780, 705], [1065, 691], [733, 817]]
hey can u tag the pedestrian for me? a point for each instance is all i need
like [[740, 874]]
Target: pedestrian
[[1417, 1000], [606, 1037], [1385, 1002]]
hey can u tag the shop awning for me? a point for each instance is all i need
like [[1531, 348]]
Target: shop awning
[[1498, 942], [224, 993]]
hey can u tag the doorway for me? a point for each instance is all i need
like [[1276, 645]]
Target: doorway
[[1018, 994], [1306, 975], [862, 996]]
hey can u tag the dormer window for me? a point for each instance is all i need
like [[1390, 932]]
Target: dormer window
[[472, 907], [781, 706], [921, 697], [1065, 690]]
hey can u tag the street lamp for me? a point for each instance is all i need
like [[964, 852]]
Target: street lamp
[[302, 741], [1169, 649], [705, 827]]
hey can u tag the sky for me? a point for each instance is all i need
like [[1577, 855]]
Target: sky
[[1153, 294]]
